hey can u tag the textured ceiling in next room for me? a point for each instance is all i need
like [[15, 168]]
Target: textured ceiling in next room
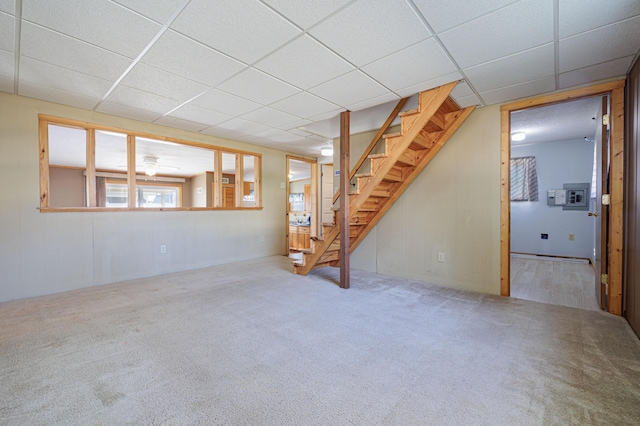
[[278, 72]]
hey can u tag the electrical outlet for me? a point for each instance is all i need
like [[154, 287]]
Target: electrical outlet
[[572, 237], [440, 256], [163, 249], [262, 238]]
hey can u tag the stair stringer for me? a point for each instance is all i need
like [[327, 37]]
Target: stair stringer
[[414, 127]]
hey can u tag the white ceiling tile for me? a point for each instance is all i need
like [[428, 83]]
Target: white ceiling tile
[[466, 101], [7, 64], [55, 77], [511, 93], [299, 132], [421, 87], [276, 135], [242, 126], [368, 30], [304, 63], [154, 80], [318, 138], [520, 26], [305, 105], [135, 98], [600, 45], [180, 123], [387, 97], [180, 55], [244, 29], [101, 23], [348, 89], [421, 62], [461, 90], [128, 112], [576, 16], [442, 15], [8, 6], [6, 84], [524, 66], [58, 96], [158, 10], [48, 46], [7, 32], [294, 125], [270, 117], [217, 100], [308, 12], [258, 86], [200, 115], [617, 67]]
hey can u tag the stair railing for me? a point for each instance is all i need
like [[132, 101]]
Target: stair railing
[[364, 163]]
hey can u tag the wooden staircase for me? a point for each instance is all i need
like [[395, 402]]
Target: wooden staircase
[[386, 169]]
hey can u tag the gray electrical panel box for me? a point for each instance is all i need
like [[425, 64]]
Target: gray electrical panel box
[[578, 195], [572, 196]]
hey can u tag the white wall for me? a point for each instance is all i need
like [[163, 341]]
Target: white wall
[[453, 207], [42, 253], [557, 163]]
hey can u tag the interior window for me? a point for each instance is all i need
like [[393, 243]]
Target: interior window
[[87, 167]]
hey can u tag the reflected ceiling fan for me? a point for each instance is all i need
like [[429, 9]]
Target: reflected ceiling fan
[[150, 165]]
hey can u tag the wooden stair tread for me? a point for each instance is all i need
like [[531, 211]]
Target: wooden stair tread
[[408, 112]]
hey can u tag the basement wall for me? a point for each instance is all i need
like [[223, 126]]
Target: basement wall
[[43, 253], [453, 207]]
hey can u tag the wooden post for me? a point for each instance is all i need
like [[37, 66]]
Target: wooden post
[[344, 202]]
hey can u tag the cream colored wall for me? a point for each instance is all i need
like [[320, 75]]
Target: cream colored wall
[[453, 206], [42, 253]]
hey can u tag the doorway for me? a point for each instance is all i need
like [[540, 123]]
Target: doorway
[[553, 235], [301, 195], [613, 263]]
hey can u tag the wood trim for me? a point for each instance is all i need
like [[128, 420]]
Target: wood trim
[[616, 91], [505, 204], [131, 171], [585, 92], [217, 179], [345, 144], [257, 182], [44, 163], [616, 209], [87, 125], [91, 167], [239, 191]]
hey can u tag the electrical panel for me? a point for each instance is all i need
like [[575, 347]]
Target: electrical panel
[[572, 196]]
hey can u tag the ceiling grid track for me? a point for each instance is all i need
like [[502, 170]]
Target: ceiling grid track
[[446, 52], [135, 62], [18, 29]]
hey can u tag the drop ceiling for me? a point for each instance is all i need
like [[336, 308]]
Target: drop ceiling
[[278, 72]]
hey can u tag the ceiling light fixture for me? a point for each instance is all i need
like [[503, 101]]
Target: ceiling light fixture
[[150, 165], [326, 152], [518, 136]]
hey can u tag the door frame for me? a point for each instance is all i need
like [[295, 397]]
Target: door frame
[[313, 229], [615, 90]]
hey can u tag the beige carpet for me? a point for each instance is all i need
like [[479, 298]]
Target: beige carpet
[[251, 343]]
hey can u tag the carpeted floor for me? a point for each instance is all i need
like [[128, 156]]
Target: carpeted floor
[[251, 343]]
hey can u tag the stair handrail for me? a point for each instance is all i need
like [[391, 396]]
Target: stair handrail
[[374, 141]]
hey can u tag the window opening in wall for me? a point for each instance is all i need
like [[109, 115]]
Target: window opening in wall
[[85, 166], [524, 179]]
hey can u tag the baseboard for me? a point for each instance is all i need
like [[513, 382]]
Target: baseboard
[[550, 257]]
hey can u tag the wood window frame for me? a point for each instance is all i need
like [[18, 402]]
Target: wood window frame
[[131, 176], [615, 267]]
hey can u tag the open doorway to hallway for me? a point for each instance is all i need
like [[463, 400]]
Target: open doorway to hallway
[[554, 226]]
